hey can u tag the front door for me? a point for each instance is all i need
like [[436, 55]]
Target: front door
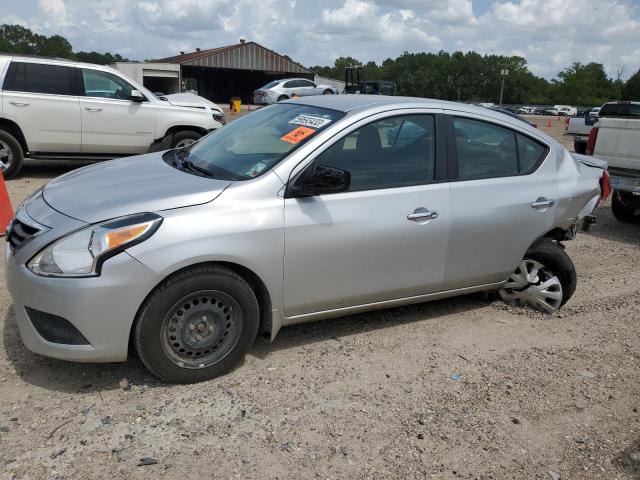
[[384, 239], [111, 121], [503, 199]]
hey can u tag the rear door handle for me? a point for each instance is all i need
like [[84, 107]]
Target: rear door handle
[[92, 109], [19, 104], [422, 214], [542, 202]]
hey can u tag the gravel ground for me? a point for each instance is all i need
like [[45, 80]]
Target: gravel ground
[[461, 388]]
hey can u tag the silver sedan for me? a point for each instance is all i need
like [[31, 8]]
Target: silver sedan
[[280, 90], [300, 211]]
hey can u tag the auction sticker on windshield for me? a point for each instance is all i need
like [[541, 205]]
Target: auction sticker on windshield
[[297, 134], [310, 121]]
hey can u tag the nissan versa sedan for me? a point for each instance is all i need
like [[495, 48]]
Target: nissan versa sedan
[[300, 211]]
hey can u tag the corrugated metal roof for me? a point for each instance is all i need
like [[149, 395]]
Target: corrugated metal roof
[[241, 56]]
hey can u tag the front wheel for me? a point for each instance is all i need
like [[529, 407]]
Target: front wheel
[[545, 279], [196, 325], [185, 138], [623, 206]]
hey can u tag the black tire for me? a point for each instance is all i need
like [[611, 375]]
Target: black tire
[[555, 259], [623, 206], [327, 92], [282, 98], [580, 146], [16, 152], [157, 309], [183, 137]]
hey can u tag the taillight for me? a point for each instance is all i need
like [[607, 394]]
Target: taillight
[[605, 187], [591, 142]]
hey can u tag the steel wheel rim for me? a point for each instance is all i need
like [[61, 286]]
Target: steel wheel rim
[[6, 156], [185, 142], [201, 329], [535, 285]]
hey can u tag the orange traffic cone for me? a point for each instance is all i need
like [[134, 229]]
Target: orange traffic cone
[[549, 125], [6, 210]]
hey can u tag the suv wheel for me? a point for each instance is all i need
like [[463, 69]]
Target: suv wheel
[[544, 280], [11, 155], [184, 138], [623, 206], [197, 324]]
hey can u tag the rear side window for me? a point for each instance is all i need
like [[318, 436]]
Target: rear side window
[[530, 153], [485, 150], [290, 84], [39, 78], [621, 109]]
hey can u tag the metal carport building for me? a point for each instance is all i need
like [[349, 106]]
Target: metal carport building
[[233, 71]]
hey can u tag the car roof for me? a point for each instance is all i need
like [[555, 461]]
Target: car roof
[[53, 61]]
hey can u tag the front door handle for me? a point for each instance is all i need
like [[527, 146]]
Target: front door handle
[[19, 104], [421, 214], [92, 109], [542, 202]]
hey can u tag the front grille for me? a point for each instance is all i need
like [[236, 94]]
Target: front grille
[[19, 232], [55, 329]]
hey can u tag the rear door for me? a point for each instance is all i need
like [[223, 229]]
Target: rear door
[[43, 100], [503, 198], [384, 239], [112, 123]]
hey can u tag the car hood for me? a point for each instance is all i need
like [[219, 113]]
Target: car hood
[[144, 183], [187, 99]]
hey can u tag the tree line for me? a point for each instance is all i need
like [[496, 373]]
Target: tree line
[[449, 76], [20, 40], [471, 77]]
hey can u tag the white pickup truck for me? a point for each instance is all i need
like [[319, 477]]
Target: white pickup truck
[[57, 109], [616, 139]]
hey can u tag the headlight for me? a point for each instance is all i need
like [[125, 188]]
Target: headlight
[[82, 253], [218, 117]]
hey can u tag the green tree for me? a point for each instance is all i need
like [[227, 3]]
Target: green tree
[[631, 89]]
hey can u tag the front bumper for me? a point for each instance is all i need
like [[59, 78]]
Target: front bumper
[[101, 308]]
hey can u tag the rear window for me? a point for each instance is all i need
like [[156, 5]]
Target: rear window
[[620, 110], [39, 78]]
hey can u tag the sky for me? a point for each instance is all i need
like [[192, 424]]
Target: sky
[[550, 34]]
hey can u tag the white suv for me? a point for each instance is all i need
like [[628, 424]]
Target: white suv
[[53, 109]]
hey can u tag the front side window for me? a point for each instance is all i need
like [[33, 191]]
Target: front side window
[[39, 78], [388, 153], [306, 83], [105, 85], [253, 144]]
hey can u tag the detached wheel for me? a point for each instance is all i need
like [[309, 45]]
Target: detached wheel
[[545, 279], [197, 325], [11, 155], [623, 206], [184, 138]]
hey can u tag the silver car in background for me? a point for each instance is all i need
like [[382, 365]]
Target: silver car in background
[[287, 88], [300, 211]]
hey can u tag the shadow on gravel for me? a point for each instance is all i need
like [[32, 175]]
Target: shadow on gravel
[[73, 377], [607, 227], [309, 333], [629, 460]]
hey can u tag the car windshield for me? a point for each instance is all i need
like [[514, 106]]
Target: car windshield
[[255, 143]]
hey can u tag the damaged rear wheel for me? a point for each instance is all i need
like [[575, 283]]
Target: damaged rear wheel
[[545, 279]]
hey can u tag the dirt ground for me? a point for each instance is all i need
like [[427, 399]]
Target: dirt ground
[[462, 388]]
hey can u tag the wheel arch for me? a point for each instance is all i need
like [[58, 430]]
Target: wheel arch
[[182, 128], [258, 286], [14, 129]]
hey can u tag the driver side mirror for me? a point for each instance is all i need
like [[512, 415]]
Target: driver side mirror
[[136, 96], [318, 181]]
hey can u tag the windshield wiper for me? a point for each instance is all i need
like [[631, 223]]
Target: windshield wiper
[[188, 164]]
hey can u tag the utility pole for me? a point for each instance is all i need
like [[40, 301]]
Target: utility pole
[[504, 72]]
